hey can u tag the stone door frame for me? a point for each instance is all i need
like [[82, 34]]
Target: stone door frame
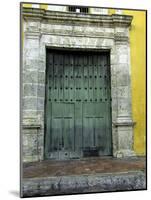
[[48, 29]]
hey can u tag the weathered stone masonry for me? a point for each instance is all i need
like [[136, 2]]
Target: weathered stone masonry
[[47, 29]]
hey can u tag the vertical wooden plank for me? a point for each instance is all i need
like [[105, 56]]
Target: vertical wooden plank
[[100, 77], [88, 132], [66, 78], [96, 86], [76, 75], [71, 140], [57, 124], [60, 79], [105, 85], [71, 78], [90, 78], [55, 77], [104, 61], [56, 134], [99, 133], [80, 79], [78, 107], [88, 123], [79, 76], [68, 130], [71, 127], [85, 79], [98, 81], [68, 134], [78, 126]]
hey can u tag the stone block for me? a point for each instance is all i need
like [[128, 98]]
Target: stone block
[[41, 91], [30, 90], [124, 107], [31, 64], [30, 144], [123, 79], [30, 76], [41, 78], [123, 92], [29, 113], [33, 26], [123, 59], [29, 103], [29, 131], [40, 103], [31, 43], [31, 53], [32, 158], [125, 138]]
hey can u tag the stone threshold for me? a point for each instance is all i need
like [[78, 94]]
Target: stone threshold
[[86, 183]]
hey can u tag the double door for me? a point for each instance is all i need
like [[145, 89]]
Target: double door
[[78, 105]]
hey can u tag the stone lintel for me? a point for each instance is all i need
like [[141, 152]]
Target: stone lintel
[[114, 20]]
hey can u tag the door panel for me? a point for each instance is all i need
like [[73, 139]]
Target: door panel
[[94, 125], [78, 111]]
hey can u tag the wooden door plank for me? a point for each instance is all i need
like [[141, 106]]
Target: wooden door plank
[[66, 78], [60, 79], [95, 78], [71, 78], [80, 80], [90, 65], [88, 132], [85, 79], [78, 126]]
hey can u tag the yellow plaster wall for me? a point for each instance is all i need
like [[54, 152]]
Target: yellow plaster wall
[[26, 5], [44, 6], [111, 11], [138, 77]]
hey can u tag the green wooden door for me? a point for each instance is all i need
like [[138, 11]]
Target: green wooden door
[[77, 111]]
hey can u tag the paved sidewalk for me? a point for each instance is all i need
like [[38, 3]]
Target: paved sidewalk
[[84, 166]]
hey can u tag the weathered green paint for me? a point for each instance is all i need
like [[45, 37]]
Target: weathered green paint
[[78, 111]]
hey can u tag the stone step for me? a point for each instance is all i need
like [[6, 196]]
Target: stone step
[[86, 183]]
